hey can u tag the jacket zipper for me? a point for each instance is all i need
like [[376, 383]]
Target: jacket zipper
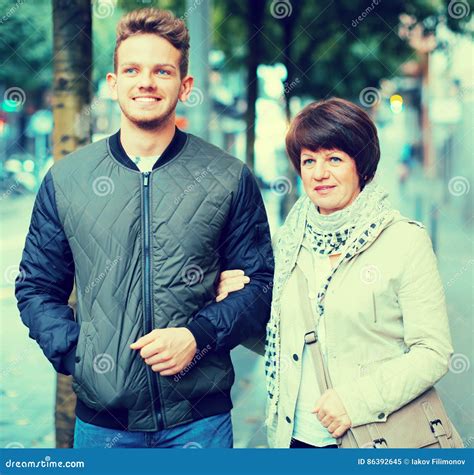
[[147, 285]]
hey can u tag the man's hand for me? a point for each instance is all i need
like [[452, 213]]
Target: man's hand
[[231, 281], [332, 413], [168, 351]]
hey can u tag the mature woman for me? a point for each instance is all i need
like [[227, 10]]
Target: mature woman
[[368, 274]]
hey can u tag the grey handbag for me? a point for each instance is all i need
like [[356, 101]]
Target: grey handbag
[[422, 423]]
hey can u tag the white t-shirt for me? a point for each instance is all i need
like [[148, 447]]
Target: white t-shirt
[[144, 164], [307, 427]]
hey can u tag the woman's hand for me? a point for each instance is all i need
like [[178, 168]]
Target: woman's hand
[[332, 413], [231, 281]]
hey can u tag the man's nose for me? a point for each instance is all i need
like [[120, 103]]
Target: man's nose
[[146, 80]]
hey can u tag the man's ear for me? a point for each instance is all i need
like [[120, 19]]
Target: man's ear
[[185, 88], [112, 83]]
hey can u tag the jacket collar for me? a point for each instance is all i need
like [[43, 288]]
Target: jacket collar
[[171, 151]]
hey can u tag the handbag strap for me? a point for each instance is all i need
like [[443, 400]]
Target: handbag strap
[[311, 337], [362, 434]]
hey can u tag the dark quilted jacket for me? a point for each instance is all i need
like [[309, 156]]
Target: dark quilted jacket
[[144, 251]]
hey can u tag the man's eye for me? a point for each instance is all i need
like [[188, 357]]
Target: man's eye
[[129, 70], [163, 72]]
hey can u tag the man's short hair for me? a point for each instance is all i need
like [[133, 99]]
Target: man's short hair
[[157, 22], [336, 124]]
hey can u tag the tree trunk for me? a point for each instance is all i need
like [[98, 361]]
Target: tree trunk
[[255, 13], [289, 22], [72, 27]]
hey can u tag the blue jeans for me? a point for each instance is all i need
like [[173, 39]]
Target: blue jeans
[[210, 432]]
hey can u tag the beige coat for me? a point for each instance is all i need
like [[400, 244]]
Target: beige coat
[[386, 330]]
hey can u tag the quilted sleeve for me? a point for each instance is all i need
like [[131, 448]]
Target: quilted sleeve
[[45, 282], [245, 245]]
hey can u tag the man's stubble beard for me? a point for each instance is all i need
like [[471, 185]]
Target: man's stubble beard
[[151, 124]]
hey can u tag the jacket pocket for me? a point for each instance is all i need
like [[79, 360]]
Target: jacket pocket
[[85, 335]]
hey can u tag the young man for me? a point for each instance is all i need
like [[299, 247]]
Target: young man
[[143, 222]]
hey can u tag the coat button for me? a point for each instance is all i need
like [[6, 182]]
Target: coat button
[[381, 415], [288, 420], [295, 357], [78, 358]]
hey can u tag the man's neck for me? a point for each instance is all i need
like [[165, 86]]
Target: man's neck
[[146, 143]]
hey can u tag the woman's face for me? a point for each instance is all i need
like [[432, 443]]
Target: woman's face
[[330, 179]]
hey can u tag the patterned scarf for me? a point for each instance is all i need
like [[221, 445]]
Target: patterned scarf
[[346, 232]]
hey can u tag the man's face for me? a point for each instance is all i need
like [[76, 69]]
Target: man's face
[[147, 83]]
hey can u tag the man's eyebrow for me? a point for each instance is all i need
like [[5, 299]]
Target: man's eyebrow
[[160, 65]]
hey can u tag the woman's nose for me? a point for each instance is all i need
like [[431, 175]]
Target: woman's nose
[[320, 171]]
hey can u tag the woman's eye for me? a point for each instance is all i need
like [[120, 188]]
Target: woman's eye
[[308, 161], [335, 159]]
